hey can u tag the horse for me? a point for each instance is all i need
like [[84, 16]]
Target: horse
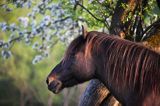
[[129, 70]]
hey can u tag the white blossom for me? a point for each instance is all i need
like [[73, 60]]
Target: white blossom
[[24, 21], [101, 1]]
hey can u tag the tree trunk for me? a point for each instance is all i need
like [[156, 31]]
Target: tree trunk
[[95, 93], [119, 24]]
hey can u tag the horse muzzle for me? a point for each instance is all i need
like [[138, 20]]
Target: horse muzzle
[[54, 85]]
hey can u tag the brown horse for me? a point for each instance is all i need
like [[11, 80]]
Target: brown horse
[[130, 71]]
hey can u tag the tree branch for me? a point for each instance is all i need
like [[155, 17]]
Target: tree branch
[[63, 19], [149, 28], [101, 20], [11, 41]]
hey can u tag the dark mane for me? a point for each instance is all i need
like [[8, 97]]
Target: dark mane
[[74, 46], [130, 71], [127, 63]]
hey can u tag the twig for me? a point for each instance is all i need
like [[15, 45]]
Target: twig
[[90, 13], [63, 19], [101, 20], [12, 41]]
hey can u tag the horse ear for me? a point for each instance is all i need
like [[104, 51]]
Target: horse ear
[[84, 31]]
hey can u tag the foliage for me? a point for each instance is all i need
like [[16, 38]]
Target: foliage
[[23, 82], [47, 21], [35, 30], [40, 28]]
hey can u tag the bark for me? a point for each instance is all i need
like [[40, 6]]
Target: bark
[[153, 41], [110, 101], [95, 93], [158, 3], [119, 24]]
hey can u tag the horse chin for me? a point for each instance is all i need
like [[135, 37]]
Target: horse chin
[[70, 83], [57, 90]]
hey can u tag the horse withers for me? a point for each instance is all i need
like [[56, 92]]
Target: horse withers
[[130, 71]]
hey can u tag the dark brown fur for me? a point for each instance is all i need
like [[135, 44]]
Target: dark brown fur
[[130, 71]]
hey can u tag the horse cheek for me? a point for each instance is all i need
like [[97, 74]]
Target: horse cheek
[[90, 68], [82, 67], [86, 71], [78, 71]]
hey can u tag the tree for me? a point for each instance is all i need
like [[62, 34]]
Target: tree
[[128, 22], [49, 21]]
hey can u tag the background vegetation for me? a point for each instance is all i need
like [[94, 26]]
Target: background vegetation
[[35, 33], [22, 71]]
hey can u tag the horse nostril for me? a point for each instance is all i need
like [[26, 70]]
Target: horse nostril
[[57, 83], [49, 80]]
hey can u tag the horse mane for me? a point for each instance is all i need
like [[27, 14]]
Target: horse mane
[[126, 61], [74, 47]]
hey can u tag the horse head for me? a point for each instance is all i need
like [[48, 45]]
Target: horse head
[[76, 66]]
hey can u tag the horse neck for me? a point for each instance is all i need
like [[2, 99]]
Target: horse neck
[[111, 75], [103, 72], [101, 54]]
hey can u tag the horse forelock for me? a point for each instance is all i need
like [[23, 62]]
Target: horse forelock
[[73, 48], [134, 63]]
